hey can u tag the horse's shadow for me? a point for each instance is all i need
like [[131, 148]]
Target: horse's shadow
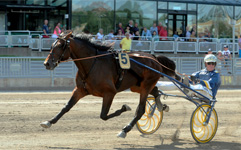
[[176, 145], [181, 145]]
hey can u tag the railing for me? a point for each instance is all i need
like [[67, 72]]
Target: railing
[[32, 67], [35, 41]]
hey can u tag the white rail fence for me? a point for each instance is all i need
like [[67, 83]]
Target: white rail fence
[[35, 41], [32, 67]]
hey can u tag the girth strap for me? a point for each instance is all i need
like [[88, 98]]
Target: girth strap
[[120, 72]]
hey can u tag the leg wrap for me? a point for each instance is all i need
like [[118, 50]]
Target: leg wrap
[[127, 128]]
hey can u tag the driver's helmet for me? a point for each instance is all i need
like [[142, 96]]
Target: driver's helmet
[[210, 58]]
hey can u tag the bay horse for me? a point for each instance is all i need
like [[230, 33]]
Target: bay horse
[[99, 76]]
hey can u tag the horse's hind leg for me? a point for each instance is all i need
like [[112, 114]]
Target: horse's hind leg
[[139, 112], [157, 96], [77, 94]]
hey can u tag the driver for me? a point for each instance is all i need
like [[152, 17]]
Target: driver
[[206, 81]]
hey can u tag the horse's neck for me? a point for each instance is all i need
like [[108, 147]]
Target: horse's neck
[[81, 50]]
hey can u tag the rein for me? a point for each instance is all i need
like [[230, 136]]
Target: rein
[[159, 64], [86, 58]]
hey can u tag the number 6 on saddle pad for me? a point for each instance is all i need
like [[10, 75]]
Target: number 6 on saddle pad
[[124, 60]]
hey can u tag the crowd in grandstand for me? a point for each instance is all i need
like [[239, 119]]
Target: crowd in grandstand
[[155, 32]]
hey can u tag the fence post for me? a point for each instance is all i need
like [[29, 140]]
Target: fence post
[[152, 46], [196, 47], [52, 78], [39, 43], [175, 46], [234, 72], [9, 39]]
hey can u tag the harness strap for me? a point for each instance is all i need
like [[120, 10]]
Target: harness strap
[[160, 64]]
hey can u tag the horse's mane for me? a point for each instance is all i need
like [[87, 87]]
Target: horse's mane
[[88, 38]]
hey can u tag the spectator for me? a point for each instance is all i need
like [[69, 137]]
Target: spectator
[[127, 29], [208, 36], [219, 61], [188, 34], [153, 28], [193, 37], [120, 35], [100, 35], [132, 35], [163, 33], [209, 51], [130, 25], [159, 28], [227, 57], [201, 37], [194, 28], [137, 36], [110, 36], [135, 28], [57, 31], [239, 43], [182, 28], [155, 36], [125, 43], [46, 29], [175, 36], [119, 28], [146, 34]]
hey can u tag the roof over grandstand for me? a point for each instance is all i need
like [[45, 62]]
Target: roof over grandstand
[[216, 2]]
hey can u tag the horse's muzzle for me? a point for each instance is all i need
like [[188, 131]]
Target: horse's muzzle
[[50, 66]]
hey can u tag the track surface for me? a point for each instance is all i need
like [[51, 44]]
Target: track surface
[[81, 128]]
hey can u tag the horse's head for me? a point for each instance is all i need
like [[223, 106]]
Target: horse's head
[[60, 51]]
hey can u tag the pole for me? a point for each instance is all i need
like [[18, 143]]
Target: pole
[[233, 62]]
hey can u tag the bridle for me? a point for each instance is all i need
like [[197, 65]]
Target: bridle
[[65, 48]]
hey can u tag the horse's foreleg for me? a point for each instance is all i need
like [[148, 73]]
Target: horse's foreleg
[[77, 94], [107, 101]]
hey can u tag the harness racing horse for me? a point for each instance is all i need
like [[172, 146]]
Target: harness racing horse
[[99, 76]]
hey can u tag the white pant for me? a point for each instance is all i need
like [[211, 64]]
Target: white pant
[[169, 86]]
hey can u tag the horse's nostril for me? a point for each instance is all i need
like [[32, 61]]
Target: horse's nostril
[[46, 64]]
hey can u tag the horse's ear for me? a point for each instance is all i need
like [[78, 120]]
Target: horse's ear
[[68, 35]]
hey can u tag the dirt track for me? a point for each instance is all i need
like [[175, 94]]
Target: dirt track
[[81, 128]]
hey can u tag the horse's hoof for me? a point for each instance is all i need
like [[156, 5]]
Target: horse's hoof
[[127, 108], [166, 108], [46, 124], [122, 134]]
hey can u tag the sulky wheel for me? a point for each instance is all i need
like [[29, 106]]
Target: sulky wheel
[[151, 119], [201, 132]]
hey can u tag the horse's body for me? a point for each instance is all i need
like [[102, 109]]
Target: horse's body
[[99, 76]]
